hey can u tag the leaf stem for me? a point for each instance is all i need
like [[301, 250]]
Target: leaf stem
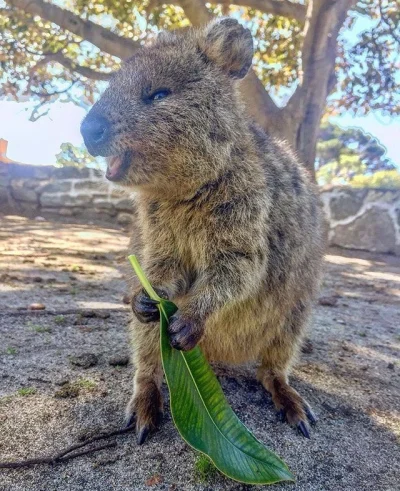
[[142, 278]]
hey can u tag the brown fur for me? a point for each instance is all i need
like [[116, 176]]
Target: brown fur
[[228, 222]]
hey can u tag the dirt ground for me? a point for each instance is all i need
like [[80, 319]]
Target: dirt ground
[[51, 396]]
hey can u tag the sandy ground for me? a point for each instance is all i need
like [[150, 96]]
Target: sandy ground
[[48, 400]]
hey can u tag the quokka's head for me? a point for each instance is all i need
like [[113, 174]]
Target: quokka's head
[[170, 103]]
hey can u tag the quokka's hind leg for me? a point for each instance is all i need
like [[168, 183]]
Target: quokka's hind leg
[[146, 404], [273, 372]]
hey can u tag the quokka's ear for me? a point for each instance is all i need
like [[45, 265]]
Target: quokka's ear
[[229, 45]]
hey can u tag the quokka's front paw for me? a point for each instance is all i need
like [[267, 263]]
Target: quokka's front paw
[[145, 308], [184, 332]]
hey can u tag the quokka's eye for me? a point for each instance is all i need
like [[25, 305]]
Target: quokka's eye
[[159, 94]]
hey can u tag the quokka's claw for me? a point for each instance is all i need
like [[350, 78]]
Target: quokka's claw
[[142, 434], [128, 421], [310, 415], [302, 427]]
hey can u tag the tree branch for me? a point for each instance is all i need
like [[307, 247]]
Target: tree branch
[[284, 8], [56, 92], [73, 67], [196, 11], [103, 38]]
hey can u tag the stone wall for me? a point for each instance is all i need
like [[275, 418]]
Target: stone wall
[[69, 192], [367, 219]]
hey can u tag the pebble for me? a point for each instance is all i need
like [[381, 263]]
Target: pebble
[[85, 360], [328, 301], [118, 361], [126, 299], [36, 306]]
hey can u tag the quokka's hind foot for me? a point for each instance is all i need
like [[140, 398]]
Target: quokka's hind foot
[[145, 408], [290, 406]]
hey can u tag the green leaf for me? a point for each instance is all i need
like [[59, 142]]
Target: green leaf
[[202, 414]]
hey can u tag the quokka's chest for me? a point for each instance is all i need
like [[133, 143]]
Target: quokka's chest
[[187, 232]]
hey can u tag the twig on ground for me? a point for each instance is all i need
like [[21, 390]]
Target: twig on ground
[[68, 453]]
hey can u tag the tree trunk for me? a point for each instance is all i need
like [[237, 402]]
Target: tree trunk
[[304, 111]]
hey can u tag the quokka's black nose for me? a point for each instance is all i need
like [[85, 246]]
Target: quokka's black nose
[[95, 131]]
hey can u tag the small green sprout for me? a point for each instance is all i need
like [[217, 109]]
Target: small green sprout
[[26, 391], [204, 468]]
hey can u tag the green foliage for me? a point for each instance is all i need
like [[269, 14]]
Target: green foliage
[[389, 179], [72, 156], [26, 391], [367, 69], [202, 414], [85, 383], [39, 329], [351, 156], [11, 351], [204, 468]]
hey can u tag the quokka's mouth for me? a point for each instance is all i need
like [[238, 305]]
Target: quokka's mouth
[[118, 165]]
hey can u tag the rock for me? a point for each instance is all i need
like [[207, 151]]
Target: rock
[[346, 203], [118, 361], [85, 360], [328, 301], [62, 381], [70, 173], [91, 185], [67, 212], [126, 299], [56, 187], [3, 195], [391, 366], [102, 204], [124, 218], [27, 207], [373, 231], [383, 196], [63, 200], [23, 194], [88, 313], [36, 306], [124, 204]]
